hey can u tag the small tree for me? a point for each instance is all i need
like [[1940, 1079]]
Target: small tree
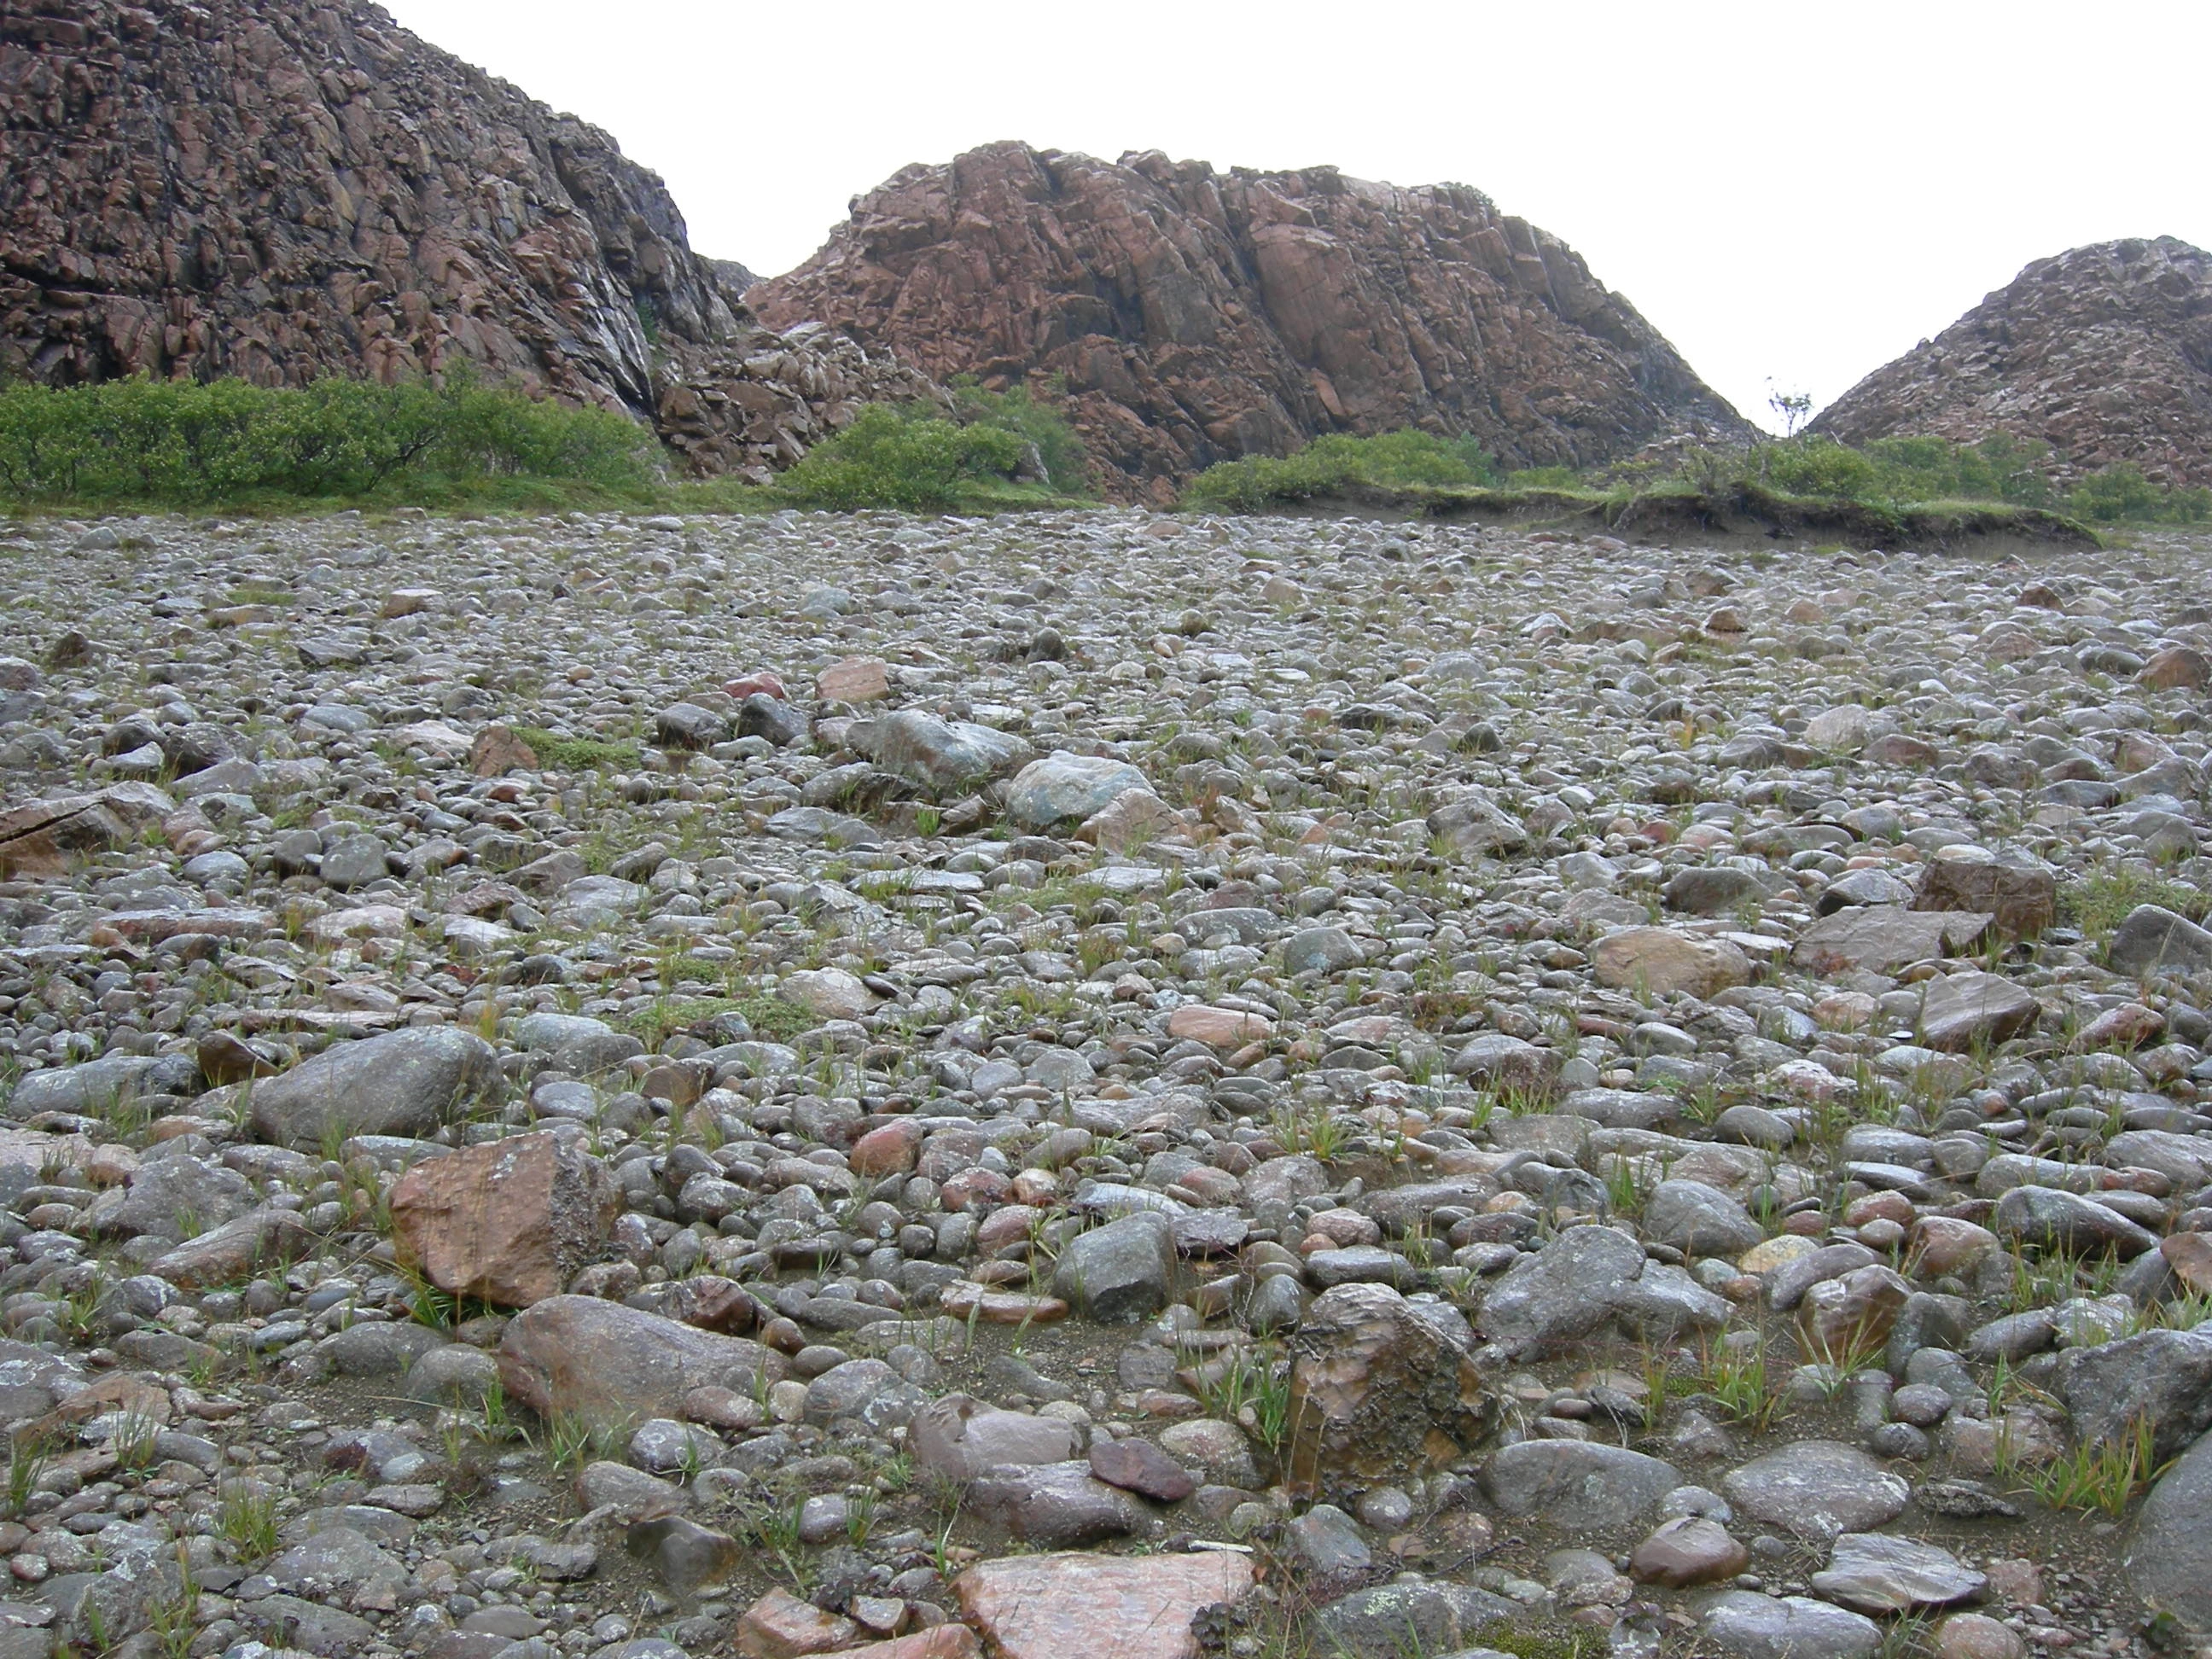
[[1793, 407]]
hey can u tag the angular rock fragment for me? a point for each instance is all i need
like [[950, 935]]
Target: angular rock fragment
[[509, 1223], [1378, 1384]]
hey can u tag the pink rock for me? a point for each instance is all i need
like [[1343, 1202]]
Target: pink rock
[[853, 679], [974, 1189], [1266, 279], [509, 1222], [890, 1150], [2113, 315], [1943, 1245], [1009, 1224], [2128, 1026], [1218, 1028], [781, 1626], [760, 680], [1098, 1607]]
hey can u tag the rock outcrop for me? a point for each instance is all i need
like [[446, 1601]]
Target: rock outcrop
[[283, 192], [2104, 352], [1197, 316]]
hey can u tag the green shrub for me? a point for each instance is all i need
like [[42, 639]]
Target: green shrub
[[1890, 473], [1998, 468], [1815, 466], [184, 443], [1897, 471], [1039, 423], [893, 458], [2123, 492], [1337, 464]]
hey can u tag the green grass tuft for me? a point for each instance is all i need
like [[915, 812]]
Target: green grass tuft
[[558, 754]]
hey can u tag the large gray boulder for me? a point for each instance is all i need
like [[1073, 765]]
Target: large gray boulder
[[2167, 1559], [1746, 1625], [99, 1085], [2161, 1377], [1579, 1486], [173, 1198], [576, 1043], [1064, 788], [1817, 1489], [1118, 1273], [2152, 939], [1057, 1505], [1410, 1615], [407, 1082], [1699, 1220], [1562, 1293], [611, 1363], [959, 1436], [943, 757]]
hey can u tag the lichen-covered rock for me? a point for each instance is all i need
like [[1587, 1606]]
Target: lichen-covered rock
[[1379, 1384]]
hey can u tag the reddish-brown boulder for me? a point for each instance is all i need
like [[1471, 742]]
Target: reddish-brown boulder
[[509, 1222], [1197, 316], [2104, 352]]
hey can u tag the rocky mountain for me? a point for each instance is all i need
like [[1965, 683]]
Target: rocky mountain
[[2103, 352], [282, 191], [1196, 316]]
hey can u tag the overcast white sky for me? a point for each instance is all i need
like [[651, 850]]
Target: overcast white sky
[[1794, 191]]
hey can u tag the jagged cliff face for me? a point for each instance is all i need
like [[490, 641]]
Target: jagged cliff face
[[1197, 316], [2103, 352], [281, 191]]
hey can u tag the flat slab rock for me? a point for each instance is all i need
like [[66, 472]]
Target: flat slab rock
[[1883, 938], [1873, 1572], [1052, 1607], [1746, 1625], [577, 1353], [1817, 1489]]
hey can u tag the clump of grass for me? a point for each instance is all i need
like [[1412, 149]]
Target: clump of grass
[[772, 1523], [174, 1621], [913, 459], [184, 443], [1253, 1390], [245, 1517], [26, 1460], [1737, 1380], [558, 753], [2099, 903], [573, 1440], [1337, 464], [1627, 1188], [441, 1310], [773, 1019], [134, 1440], [669, 1015], [2098, 1474]]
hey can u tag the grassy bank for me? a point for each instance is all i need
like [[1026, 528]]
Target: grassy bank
[[144, 443], [225, 446], [1914, 491]]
